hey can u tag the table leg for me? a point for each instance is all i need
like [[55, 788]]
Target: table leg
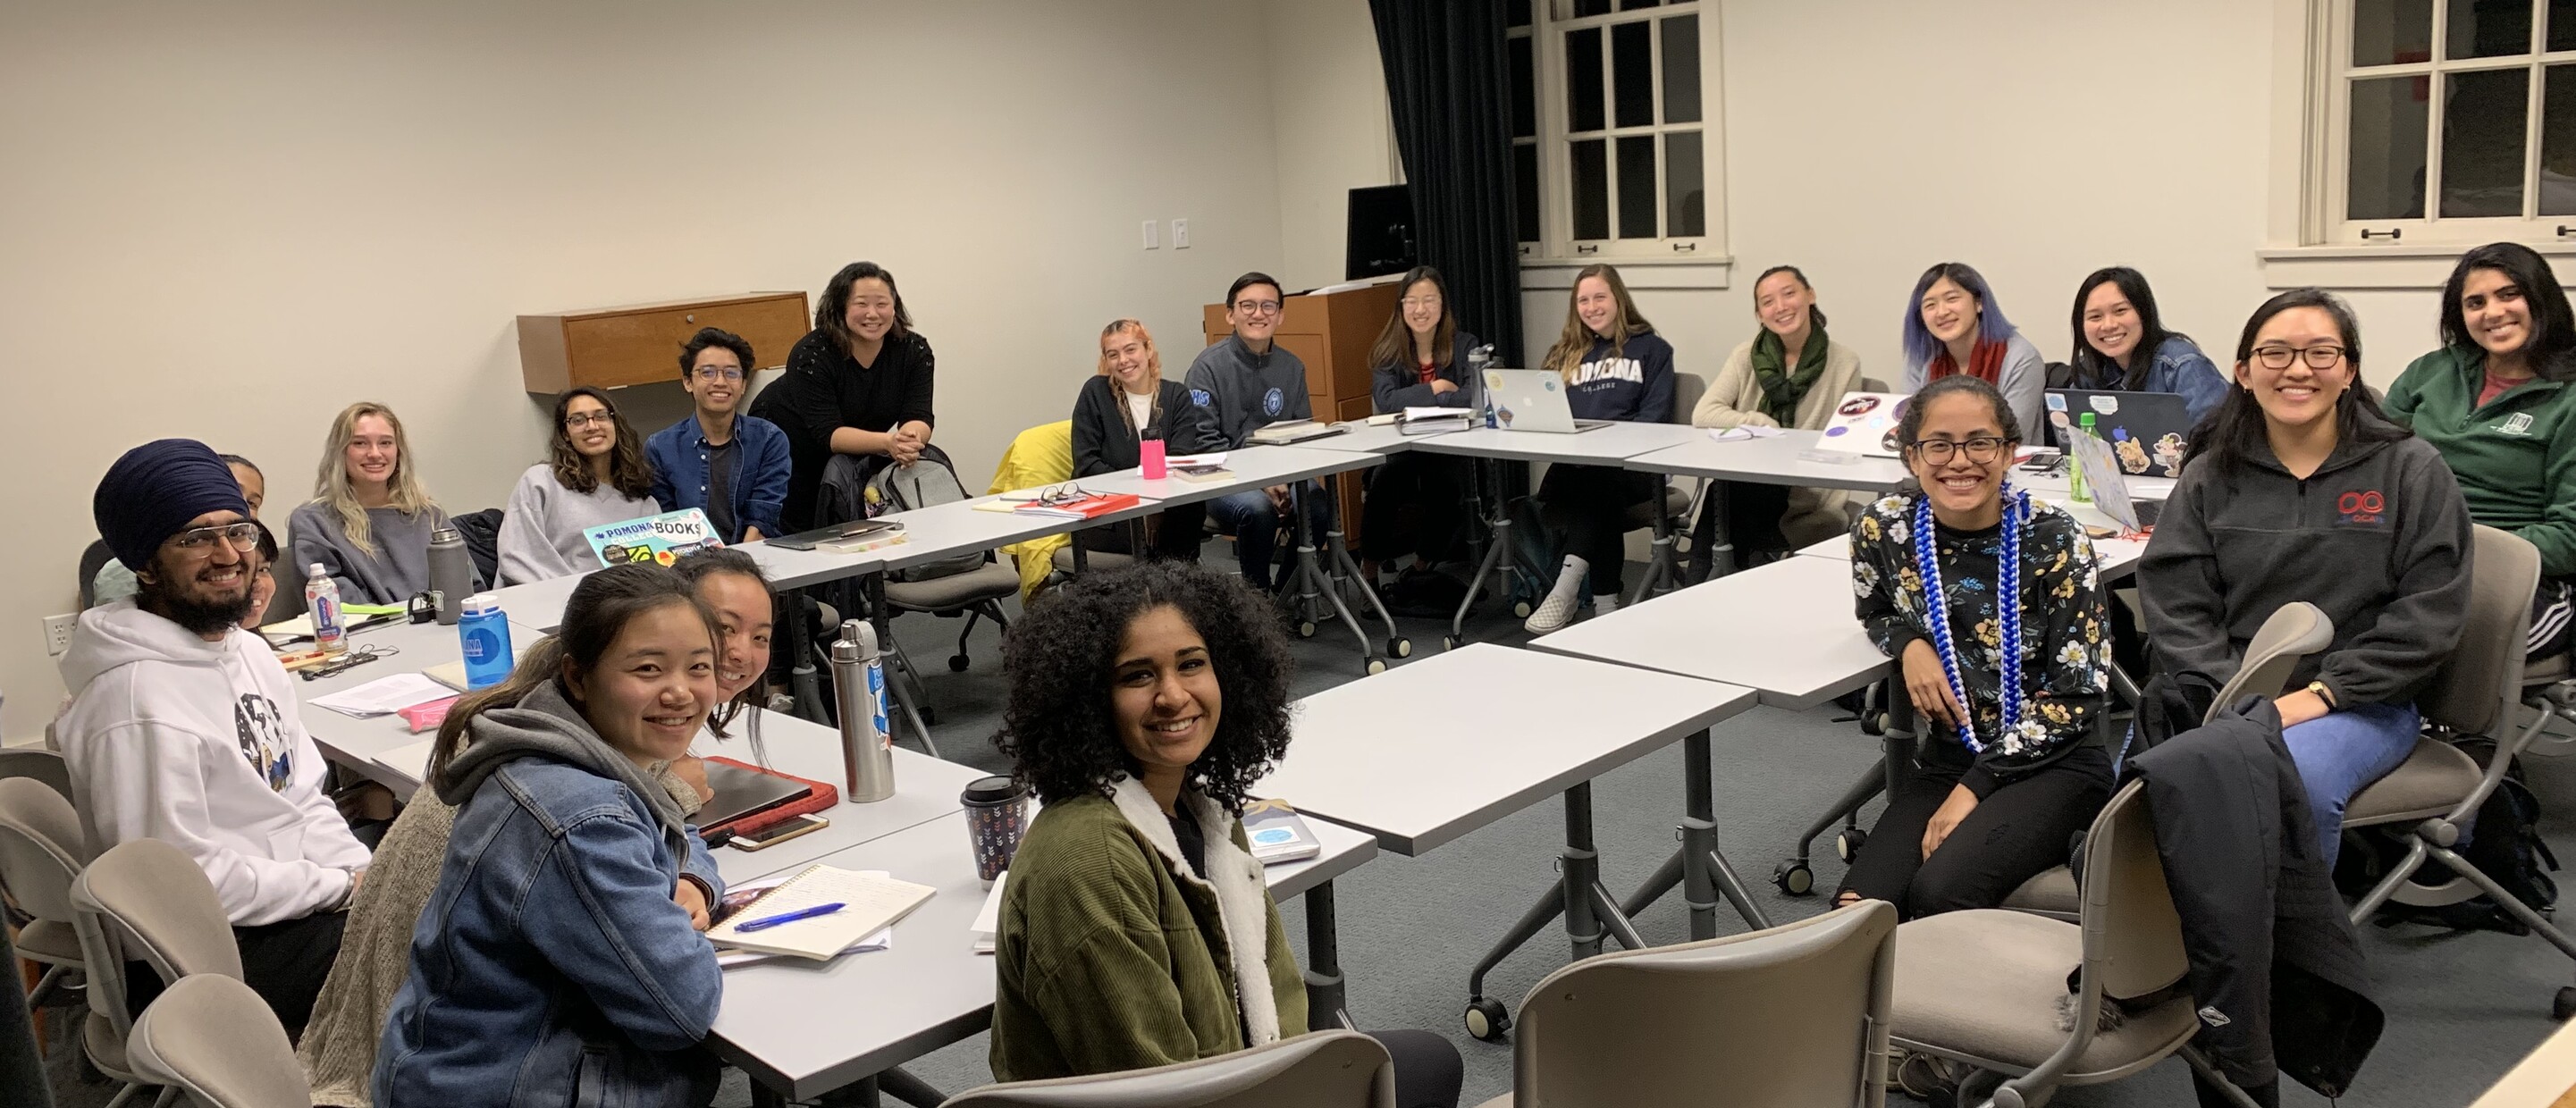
[[1699, 866], [1898, 743], [1338, 552], [1582, 870], [1660, 570], [1326, 1004], [1497, 562], [1536, 919], [906, 713], [1312, 579], [1082, 557]]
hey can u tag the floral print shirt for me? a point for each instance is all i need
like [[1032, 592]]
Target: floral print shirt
[[2066, 649]]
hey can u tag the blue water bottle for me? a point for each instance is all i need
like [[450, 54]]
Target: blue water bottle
[[485, 633]]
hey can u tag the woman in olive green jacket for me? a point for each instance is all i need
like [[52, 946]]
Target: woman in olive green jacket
[[1136, 929]]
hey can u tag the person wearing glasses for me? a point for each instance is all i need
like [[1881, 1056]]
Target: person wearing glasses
[[1417, 502], [2298, 488], [182, 726], [114, 582], [1991, 604], [1247, 383], [733, 467], [858, 383], [596, 476]]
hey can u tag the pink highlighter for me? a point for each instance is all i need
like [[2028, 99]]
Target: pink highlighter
[[1150, 455]]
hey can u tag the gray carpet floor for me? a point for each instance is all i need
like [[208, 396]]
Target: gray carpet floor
[[2462, 1007]]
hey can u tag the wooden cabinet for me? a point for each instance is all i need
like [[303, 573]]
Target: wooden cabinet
[[639, 344], [1332, 334]]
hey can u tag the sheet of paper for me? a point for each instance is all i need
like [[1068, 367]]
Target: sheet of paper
[[988, 919], [1745, 433], [730, 959], [384, 695]]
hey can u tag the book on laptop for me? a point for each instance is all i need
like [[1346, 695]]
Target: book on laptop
[[868, 905]]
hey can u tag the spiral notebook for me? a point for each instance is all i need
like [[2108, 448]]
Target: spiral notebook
[[870, 904]]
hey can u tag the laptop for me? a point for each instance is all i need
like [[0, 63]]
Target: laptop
[[2109, 488], [2148, 431], [1865, 423], [1533, 400]]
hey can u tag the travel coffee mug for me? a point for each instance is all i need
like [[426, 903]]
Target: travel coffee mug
[[996, 814]]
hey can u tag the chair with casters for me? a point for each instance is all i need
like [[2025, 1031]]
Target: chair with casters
[[1793, 1016], [214, 1041], [2426, 801], [42, 850], [1983, 988], [1325, 1069], [2293, 632]]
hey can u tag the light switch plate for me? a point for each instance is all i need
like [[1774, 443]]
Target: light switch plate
[[1153, 235], [1180, 234]]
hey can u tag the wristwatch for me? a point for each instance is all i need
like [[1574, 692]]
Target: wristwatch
[[2323, 693]]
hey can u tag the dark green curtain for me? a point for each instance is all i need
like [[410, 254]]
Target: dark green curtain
[[1448, 81]]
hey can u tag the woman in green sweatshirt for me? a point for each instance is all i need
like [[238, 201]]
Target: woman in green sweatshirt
[[2495, 401], [1136, 929]]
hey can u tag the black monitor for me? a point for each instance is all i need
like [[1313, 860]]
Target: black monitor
[[1381, 233]]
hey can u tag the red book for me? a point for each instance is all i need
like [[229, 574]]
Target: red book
[[1089, 507]]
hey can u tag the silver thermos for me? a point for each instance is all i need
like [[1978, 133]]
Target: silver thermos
[[451, 573], [1477, 360], [867, 745]]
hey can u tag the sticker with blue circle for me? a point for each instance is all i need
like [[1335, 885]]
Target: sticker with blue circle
[[1271, 402]]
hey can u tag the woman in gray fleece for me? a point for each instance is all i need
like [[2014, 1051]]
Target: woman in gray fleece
[[369, 522], [596, 476]]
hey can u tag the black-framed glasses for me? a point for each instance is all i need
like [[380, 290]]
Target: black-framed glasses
[[579, 420], [244, 538], [1983, 449], [719, 373], [2317, 357], [1257, 307], [1066, 493]]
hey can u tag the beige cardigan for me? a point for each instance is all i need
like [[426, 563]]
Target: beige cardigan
[[1735, 400]]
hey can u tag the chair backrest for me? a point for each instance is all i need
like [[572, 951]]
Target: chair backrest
[[1873, 384], [2132, 936], [1327, 1069], [2482, 676], [215, 1040], [2292, 632], [93, 559], [42, 765], [163, 910], [1687, 389], [41, 848], [1792, 1016]]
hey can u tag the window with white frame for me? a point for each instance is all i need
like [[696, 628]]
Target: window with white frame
[[1613, 143], [2446, 121]]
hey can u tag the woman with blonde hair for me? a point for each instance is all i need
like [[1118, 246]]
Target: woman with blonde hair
[[1615, 367], [369, 522], [1124, 403]]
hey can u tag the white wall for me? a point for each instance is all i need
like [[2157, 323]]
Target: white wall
[[1328, 110], [229, 221]]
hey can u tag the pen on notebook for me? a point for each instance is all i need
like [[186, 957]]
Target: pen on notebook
[[766, 922]]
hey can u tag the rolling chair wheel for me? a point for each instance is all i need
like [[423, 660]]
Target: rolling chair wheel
[[1794, 878], [1487, 1020], [1848, 844], [1400, 647], [929, 716], [1374, 666], [2564, 1006], [1305, 628], [1450, 642], [957, 663], [1521, 609]]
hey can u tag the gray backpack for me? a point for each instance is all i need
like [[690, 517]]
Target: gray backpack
[[927, 483]]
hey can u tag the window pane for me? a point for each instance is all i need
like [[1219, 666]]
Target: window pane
[[1516, 13], [1591, 7], [1632, 72], [1524, 89], [2562, 24], [1583, 80], [2558, 142], [1525, 190], [1686, 203], [2488, 28], [1637, 187], [1591, 189], [1632, 5], [2484, 121], [2387, 150], [2388, 31], [1681, 69]]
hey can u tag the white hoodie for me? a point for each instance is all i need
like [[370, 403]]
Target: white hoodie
[[199, 744]]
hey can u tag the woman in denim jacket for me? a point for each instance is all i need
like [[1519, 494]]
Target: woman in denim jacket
[[2121, 344], [559, 961]]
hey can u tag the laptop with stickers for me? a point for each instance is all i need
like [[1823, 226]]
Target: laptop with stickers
[[2147, 431], [1533, 400]]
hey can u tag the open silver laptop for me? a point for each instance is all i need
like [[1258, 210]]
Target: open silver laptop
[[1533, 400]]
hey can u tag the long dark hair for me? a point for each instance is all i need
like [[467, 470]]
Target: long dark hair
[[2551, 349], [2091, 367], [2234, 430], [627, 471], [831, 314], [601, 607], [1395, 344], [695, 568], [1815, 315], [1920, 345]]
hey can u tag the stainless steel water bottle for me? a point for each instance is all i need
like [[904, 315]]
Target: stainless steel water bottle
[[451, 573], [867, 744]]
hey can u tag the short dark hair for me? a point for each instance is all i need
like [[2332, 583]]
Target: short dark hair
[[831, 313], [715, 336], [2551, 349], [1909, 427], [1256, 277], [1057, 726], [245, 463]]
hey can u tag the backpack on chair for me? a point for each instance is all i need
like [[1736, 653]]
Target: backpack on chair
[[927, 483]]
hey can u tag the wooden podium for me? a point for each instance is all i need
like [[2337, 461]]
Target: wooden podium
[[1332, 334]]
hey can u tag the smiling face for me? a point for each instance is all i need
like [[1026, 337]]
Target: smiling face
[[254, 487], [870, 313], [371, 454], [1421, 306], [1965, 486], [2298, 394], [1949, 311], [1781, 302], [715, 381], [2111, 324], [2498, 316], [743, 615], [1163, 692], [1254, 314], [590, 426], [1125, 353], [651, 690], [1595, 304]]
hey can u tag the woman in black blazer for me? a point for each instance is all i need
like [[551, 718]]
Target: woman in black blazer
[[1127, 401], [1415, 502]]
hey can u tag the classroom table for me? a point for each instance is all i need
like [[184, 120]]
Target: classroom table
[[540, 604], [355, 743], [1791, 457], [1412, 761], [1384, 438], [803, 1029], [2117, 558]]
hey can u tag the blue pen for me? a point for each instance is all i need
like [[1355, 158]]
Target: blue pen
[[767, 922]]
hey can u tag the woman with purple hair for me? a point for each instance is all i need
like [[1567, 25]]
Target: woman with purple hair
[[1954, 326]]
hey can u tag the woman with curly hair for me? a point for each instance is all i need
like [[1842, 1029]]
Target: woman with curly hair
[[595, 476], [1136, 929]]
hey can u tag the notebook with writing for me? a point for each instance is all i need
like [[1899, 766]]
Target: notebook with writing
[[869, 905]]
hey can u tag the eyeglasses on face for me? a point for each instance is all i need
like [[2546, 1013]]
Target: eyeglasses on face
[[2317, 357], [244, 538], [579, 420], [719, 373], [1257, 307], [1412, 302], [1983, 449]]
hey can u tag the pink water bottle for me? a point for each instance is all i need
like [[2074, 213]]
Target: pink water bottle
[[1150, 454]]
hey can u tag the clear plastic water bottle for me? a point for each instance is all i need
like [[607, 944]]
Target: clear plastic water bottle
[[2075, 489], [485, 634], [322, 602]]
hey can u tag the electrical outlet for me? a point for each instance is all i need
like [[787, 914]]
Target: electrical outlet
[[1180, 234], [58, 633], [1153, 235]]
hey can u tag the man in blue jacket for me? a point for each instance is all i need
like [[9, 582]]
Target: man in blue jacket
[[732, 467]]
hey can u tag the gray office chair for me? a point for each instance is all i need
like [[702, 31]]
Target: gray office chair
[[41, 854], [1791, 1017], [1982, 988], [144, 900], [213, 1040], [1325, 1069], [2292, 633]]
